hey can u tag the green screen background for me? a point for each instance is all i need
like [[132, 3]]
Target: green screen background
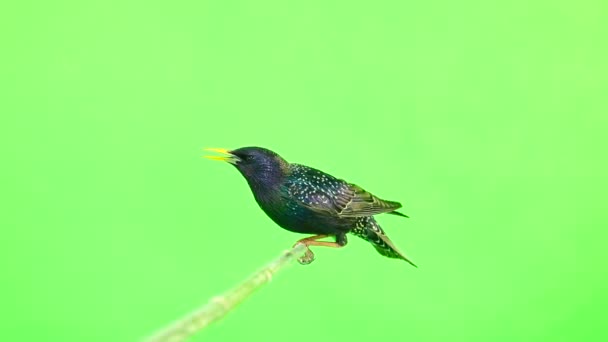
[[487, 120]]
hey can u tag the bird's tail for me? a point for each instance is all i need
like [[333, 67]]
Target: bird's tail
[[369, 230]]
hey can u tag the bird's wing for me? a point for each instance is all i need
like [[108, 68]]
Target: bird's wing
[[358, 202], [323, 193]]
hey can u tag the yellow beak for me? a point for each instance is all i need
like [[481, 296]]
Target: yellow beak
[[230, 158]]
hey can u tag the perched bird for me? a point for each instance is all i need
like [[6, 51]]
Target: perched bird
[[302, 199]]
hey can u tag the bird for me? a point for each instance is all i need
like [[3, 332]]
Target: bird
[[305, 200]]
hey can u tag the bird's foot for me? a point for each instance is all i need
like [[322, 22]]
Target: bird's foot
[[307, 258]]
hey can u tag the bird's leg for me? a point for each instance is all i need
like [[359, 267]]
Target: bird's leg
[[313, 241], [309, 256]]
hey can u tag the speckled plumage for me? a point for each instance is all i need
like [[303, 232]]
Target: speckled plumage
[[306, 200]]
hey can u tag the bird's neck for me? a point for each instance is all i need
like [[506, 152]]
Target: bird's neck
[[266, 176], [265, 182], [265, 179]]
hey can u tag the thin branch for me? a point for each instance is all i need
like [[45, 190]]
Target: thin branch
[[219, 306]]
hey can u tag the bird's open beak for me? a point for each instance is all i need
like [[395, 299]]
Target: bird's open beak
[[230, 158]]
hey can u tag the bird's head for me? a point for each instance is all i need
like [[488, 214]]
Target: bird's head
[[260, 166]]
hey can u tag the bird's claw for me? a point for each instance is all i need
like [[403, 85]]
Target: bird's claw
[[307, 258]]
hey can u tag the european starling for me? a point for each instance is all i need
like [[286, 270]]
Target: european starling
[[302, 199]]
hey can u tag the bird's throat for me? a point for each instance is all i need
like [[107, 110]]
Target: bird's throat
[[265, 182]]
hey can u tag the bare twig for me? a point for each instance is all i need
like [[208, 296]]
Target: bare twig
[[219, 306]]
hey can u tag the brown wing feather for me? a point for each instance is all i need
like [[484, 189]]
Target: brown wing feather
[[324, 193], [358, 202]]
